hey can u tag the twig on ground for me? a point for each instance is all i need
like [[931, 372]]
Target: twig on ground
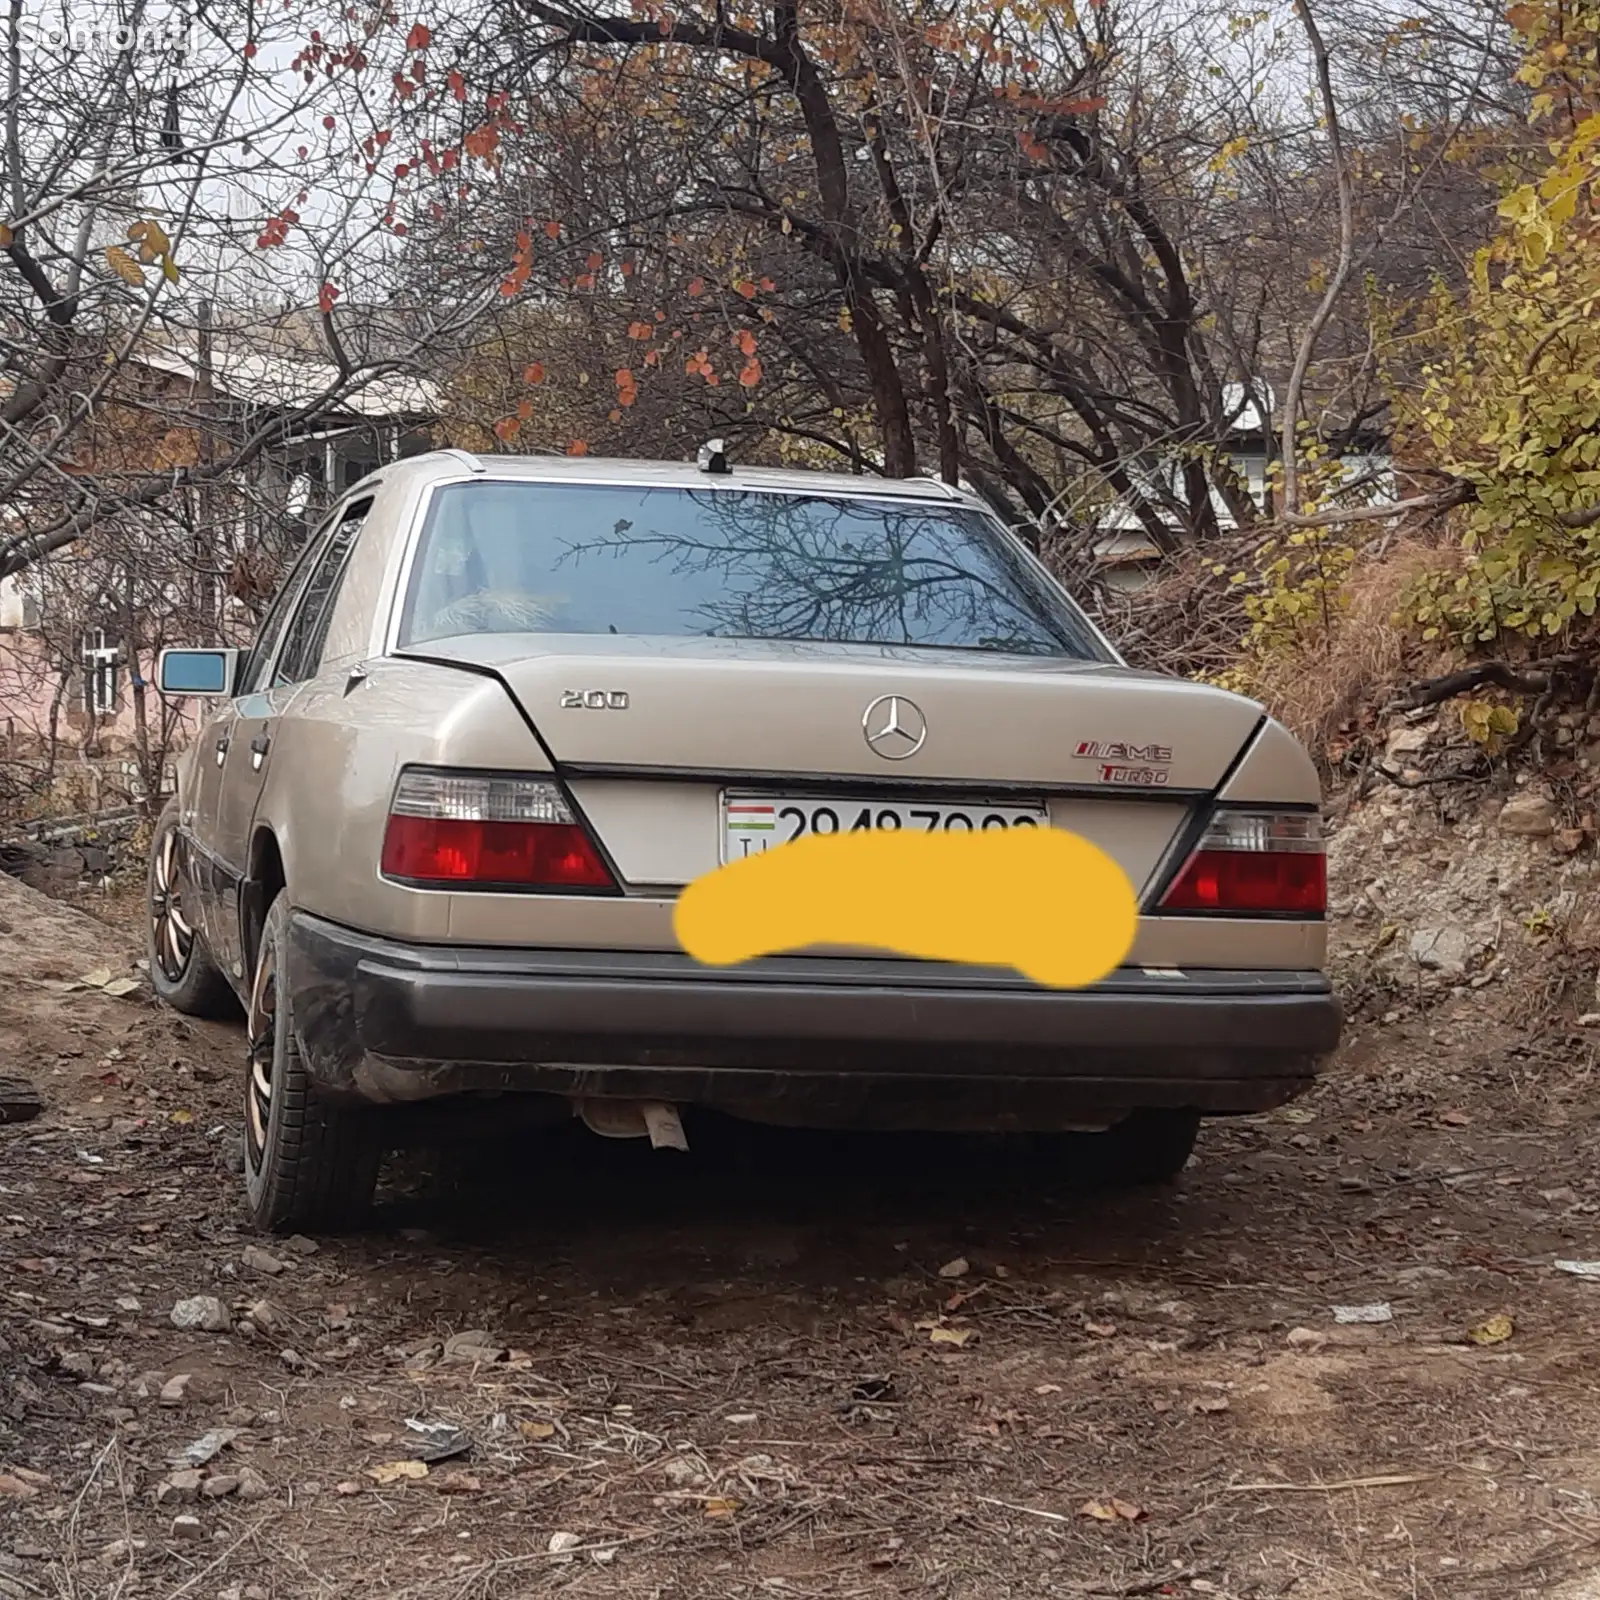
[[1027, 1511], [1379, 1480]]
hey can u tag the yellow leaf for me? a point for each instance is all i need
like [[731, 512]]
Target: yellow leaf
[[955, 1336], [395, 1471], [6, 236], [721, 1506], [124, 266], [1495, 1330], [182, 1118], [537, 1430]]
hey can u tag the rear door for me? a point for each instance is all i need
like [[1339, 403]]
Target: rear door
[[277, 678], [213, 877]]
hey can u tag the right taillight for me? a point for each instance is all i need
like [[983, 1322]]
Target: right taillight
[[1255, 861]]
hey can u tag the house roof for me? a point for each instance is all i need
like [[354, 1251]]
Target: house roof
[[243, 370]]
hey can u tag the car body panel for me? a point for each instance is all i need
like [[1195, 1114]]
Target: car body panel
[[738, 706]]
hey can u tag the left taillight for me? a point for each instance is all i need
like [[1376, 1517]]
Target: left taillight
[[1254, 862], [473, 831]]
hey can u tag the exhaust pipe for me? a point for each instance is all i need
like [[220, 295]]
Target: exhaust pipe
[[634, 1119]]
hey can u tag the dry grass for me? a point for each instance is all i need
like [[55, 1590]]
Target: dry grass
[[1355, 664]]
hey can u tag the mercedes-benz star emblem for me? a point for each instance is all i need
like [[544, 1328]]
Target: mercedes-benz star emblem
[[894, 726]]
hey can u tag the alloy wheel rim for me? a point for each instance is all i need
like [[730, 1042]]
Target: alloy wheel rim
[[172, 937], [261, 1036]]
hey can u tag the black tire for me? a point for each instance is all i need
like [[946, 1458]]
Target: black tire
[[182, 971], [308, 1166], [1149, 1147]]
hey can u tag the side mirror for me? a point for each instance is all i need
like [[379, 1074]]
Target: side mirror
[[207, 673]]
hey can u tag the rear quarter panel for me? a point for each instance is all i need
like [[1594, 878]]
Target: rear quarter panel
[[335, 757]]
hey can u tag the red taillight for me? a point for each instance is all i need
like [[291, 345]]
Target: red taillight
[[1255, 861], [458, 829]]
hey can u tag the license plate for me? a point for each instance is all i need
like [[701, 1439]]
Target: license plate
[[752, 823]]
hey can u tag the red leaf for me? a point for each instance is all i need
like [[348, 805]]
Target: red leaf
[[613, 415], [584, 280], [524, 409], [578, 447], [456, 84], [746, 341], [746, 288], [533, 372], [419, 36], [750, 373], [594, 261], [326, 295], [249, 52], [768, 285], [506, 429], [330, 123], [697, 285], [552, 230], [651, 357], [640, 330]]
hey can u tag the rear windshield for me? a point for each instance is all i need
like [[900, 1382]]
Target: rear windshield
[[729, 564]]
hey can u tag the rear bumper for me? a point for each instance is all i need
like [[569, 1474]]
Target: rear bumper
[[809, 1040]]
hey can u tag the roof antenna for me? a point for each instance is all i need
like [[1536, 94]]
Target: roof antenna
[[713, 457]]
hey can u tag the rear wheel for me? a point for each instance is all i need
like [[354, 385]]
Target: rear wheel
[[1149, 1147], [307, 1165], [181, 969]]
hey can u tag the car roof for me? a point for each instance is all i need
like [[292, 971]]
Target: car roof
[[437, 465]]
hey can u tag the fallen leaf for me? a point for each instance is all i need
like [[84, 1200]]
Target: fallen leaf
[[394, 1471], [97, 979], [1112, 1510], [537, 1430], [349, 1486], [458, 1482], [120, 986], [15, 1489], [1456, 1119], [1047, 1388], [1100, 1330], [1210, 1403], [958, 1268], [721, 1506], [182, 1118], [1494, 1330], [955, 1336]]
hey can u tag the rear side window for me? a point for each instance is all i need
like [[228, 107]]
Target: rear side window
[[731, 564], [308, 632], [253, 677]]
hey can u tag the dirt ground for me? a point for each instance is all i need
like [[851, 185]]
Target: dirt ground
[[843, 1368]]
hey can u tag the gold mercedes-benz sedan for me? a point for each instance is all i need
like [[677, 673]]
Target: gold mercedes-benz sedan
[[502, 711]]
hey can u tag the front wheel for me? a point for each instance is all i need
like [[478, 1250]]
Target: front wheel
[[181, 969], [307, 1165]]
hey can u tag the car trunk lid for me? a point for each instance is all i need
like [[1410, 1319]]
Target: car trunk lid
[[733, 709]]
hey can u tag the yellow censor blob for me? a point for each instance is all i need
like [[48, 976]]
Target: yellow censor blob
[[1042, 900]]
